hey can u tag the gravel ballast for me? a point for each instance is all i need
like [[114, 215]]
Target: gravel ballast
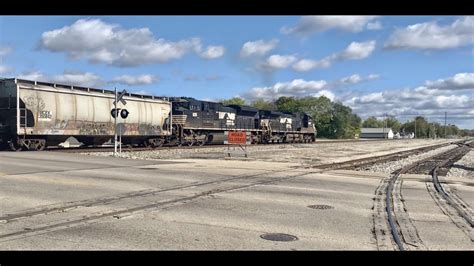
[[464, 167], [307, 155], [390, 167]]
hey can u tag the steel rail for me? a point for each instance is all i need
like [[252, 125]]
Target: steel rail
[[452, 153], [447, 197]]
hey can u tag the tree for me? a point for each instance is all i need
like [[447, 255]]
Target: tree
[[422, 127], [288, 104], [234, 100], [393, 123], [372, 122], [265, 105], [344, 123], [321, 110]]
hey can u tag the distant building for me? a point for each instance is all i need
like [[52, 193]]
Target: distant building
[[376, 133]]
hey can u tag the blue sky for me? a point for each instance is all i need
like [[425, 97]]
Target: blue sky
[[399, 65]]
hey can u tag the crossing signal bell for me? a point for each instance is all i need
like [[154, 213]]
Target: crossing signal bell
[[123, 113]]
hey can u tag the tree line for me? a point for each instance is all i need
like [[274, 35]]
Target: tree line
[[337, 121], [420, 126]]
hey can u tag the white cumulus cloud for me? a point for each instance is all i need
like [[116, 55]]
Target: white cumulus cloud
[[357, 50], [278, 62], [32, 75], [297, 87], [424, 100], [212, 52], [376, 25], [101, 42], [457, 82], [302, 88], [76, 78], [354, 51], [431, 35], [304, 65], [135, 80], [313, 24], [326, 93], [258, 48]]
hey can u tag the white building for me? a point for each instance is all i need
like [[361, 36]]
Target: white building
[[376, 133]]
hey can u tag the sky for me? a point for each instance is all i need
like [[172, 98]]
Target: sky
[[400, 66]]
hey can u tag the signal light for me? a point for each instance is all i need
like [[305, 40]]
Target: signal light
[[124, 113], [113, 112]]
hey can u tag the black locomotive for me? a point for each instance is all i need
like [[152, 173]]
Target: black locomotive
[[198, 122]]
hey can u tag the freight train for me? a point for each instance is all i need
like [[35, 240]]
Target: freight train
[[35, 115]]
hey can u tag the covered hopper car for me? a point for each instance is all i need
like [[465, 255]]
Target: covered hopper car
[[34, 115]]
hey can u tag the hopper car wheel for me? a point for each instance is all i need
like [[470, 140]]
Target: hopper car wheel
[[40, 146], [147, 144], [158, 143], [15, 147], [190, 143], [201, 142]]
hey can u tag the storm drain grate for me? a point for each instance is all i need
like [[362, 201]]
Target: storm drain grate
[[278, 237], [321, 207]]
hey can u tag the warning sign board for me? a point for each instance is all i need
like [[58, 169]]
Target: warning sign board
[[237, 137]]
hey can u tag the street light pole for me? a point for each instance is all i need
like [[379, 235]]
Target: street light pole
[[115, 124], [384, 123]]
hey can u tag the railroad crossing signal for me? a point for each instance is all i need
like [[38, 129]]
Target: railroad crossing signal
[[120, 98], [123, 113]]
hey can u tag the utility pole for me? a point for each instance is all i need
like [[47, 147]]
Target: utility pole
[[383, 128], [445, 118], [115, 124]]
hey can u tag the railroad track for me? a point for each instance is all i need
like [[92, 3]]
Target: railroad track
[[359, 164], [70, 205], [166, 147], [127, 204], [391, 219], [150, 201], [106, 200], [452, 205]]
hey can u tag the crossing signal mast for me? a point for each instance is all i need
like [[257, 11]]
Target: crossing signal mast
[[123, 113]]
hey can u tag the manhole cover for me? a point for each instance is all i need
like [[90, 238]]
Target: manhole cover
[[321, 207], [279, 237]]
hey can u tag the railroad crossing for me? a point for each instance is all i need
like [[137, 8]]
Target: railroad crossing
[[80, 201]]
